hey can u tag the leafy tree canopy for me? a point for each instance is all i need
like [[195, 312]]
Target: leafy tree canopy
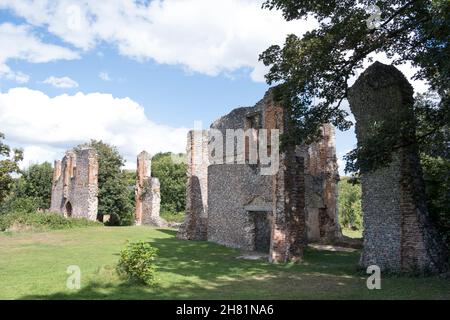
[[313, 70], [173, 178], [349, 201], [113, 194], [9, 164], [36, 183]]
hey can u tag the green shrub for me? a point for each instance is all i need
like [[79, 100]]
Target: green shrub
[[21, 205], [170, 216], [137, 262], [36, 183], [42, 221]]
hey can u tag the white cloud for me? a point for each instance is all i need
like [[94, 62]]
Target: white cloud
[[46, 126], [104, 76], [63, 83], [18, 42], [205, 36], [16, 76]]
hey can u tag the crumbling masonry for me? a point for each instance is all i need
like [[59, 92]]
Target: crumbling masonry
[[235, 205], [75, 184], [147, 194], [398, 234]]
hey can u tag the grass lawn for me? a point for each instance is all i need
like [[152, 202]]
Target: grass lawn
[[352, 233], [33, 266], [173, 217]]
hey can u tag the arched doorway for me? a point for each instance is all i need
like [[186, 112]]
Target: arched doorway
[[68, 209]]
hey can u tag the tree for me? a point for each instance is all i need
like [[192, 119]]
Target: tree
[[113, 189], [349, 202], [435, 159], [313, 71], [173, 178], [9, 164], [36, 183]]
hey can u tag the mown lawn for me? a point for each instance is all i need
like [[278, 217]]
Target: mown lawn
[[33, 266]]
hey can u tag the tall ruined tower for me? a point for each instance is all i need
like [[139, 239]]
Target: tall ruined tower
[[147, 193], [398, 233], [195, 224], [75, 184]]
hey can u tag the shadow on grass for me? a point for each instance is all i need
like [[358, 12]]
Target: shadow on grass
[[203, 270]]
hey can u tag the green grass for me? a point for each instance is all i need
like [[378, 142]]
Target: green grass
[[33, 266], [352, 233], [173, 217]]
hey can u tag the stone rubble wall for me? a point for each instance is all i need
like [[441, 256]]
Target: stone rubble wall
[[217, 194], [231, 188], [321, 183], [398, 234], [147, 194], [195, 225], [75, 184]]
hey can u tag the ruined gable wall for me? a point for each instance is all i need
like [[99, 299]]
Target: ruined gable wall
[[233, 186], [76, 182], [224, 182]]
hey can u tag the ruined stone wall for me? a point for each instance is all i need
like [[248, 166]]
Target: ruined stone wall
[[289, 231], [398, 234], [220, 195], [235, 193], [75, 184], [289, 224], [321, 183], [195, 224], [147, 194]]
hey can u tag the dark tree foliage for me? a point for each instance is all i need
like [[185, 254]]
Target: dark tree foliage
[[114, 191], [173, 178], [313, 70], [435, 158], [36, 183], [9, 164]]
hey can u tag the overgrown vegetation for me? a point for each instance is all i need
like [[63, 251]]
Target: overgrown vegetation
[[173, 178], [349, 202], [137, 262], [9, 164], [435, 160], [313, 70], [113, 189], [173, 217], [35, 182], [37, 221], [437, 184]]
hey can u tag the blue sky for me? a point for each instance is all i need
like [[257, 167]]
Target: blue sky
[[134, 75]]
